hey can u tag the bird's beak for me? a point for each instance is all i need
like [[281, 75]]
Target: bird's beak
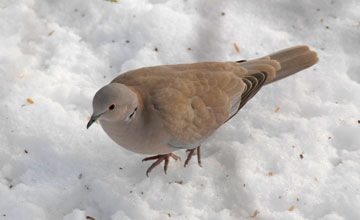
[[92, 120]]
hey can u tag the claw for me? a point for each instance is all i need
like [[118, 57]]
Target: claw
[[159, 159], [191, 153], [166, 164], [198, 156]]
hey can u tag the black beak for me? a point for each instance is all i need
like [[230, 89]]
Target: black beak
[[92, 120]]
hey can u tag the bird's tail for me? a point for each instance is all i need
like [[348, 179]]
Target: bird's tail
[[292, 60]]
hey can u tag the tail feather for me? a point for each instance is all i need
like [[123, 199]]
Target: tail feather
[[293, 60]]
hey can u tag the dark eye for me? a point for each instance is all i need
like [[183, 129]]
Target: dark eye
[[112, 107]]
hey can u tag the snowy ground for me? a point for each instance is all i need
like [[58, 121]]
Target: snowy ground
[[59, 53]]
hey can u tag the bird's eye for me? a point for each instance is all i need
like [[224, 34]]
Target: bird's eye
[[112, 107]]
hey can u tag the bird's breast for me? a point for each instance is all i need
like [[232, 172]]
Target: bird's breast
[[149, 138]]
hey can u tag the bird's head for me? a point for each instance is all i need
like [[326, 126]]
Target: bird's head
[[114, 102]]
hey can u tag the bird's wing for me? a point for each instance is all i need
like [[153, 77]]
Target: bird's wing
[[193, 100], [259, 72]]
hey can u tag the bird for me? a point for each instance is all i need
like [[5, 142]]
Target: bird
[[158, 110]]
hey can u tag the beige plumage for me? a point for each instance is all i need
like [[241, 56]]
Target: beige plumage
[[161, 109]]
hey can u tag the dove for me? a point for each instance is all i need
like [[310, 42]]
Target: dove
[[161, 109]]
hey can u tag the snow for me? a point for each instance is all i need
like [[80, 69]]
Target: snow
[[59, 53]]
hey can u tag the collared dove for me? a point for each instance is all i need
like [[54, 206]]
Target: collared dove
[[161, 109]]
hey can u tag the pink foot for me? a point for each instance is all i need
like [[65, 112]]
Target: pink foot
[[159, 158], [191, 153]]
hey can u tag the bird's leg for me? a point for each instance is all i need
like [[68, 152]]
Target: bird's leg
[[159, 158], [191, 153], [198, 155]]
